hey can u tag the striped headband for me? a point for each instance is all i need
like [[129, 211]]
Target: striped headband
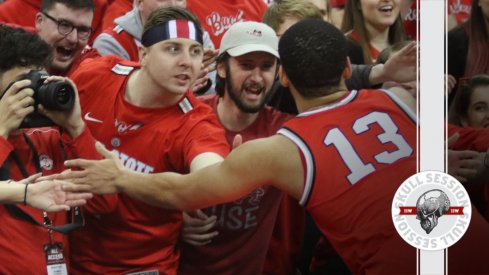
[[178, 28]]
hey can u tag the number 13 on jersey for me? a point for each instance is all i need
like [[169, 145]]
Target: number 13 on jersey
[[359, 169]]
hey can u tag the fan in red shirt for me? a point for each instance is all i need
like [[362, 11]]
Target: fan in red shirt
[[146, 114], [246, 68]]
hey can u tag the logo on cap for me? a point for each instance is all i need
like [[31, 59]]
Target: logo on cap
[[255, 33]]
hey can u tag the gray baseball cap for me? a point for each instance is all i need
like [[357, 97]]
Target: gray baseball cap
[[245, 37]]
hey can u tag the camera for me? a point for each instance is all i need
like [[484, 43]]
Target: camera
[[55, 95]]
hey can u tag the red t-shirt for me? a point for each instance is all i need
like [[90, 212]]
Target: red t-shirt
[[122, 234], [284, 251], [21, 242], [353, 165], [217, 16], [244, 225], [23, 13]]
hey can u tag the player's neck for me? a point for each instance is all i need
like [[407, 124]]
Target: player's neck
[[231, 117], [141, 91], [305, 104]]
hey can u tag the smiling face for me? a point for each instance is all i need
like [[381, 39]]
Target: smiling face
[[249, 79], [478, 111], [172, 65], [66, 47], [380, 14]]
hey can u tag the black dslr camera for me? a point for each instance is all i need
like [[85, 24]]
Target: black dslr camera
[[55, 95]]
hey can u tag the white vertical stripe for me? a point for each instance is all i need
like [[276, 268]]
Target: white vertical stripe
[[431, 99], [192, 30], [172, 28]]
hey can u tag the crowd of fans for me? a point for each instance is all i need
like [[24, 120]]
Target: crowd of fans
[[177, 86]]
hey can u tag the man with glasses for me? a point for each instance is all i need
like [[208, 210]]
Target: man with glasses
[[23, 12], [66, 26]]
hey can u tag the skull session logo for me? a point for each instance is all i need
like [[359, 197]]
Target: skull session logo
[[431, 210]]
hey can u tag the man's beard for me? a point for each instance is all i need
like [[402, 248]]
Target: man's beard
[[234, 94]]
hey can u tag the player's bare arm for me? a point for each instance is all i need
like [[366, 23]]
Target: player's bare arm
[[275, 160]]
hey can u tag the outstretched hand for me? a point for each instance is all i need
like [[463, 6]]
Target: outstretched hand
[[100, 175], [401, 65], [53, 195]]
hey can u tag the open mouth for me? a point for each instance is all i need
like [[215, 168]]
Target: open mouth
[[386, 8], [65, 52], [182, 79], [253, 92]]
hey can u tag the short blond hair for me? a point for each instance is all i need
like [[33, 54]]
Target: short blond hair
[[275, 15]]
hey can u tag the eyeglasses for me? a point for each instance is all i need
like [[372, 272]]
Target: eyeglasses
[[65, 27]]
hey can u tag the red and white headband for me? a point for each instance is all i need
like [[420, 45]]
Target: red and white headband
[[178, 28]]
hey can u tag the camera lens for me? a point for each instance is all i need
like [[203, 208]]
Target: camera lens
[[57, 96]]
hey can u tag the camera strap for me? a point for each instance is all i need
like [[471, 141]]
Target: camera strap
[[75, 217]]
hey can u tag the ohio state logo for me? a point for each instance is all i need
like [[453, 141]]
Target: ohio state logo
[[431, 210], [45, 162]]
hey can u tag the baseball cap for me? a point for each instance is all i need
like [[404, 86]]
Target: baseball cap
[[245, 37]]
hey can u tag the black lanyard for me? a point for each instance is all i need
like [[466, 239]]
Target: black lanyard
[[76, 217]]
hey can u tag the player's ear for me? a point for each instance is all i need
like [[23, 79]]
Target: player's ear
[[284, 79], [347, 72]]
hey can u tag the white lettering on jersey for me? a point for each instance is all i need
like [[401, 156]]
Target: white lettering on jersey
[[133, 163]]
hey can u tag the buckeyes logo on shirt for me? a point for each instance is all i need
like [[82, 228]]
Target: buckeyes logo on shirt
[[220, 24], [122, 127], [45, 162]]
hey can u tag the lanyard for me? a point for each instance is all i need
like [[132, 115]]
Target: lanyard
[[76, 217]]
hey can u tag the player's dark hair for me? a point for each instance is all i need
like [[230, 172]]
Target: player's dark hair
[[313, 55]]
